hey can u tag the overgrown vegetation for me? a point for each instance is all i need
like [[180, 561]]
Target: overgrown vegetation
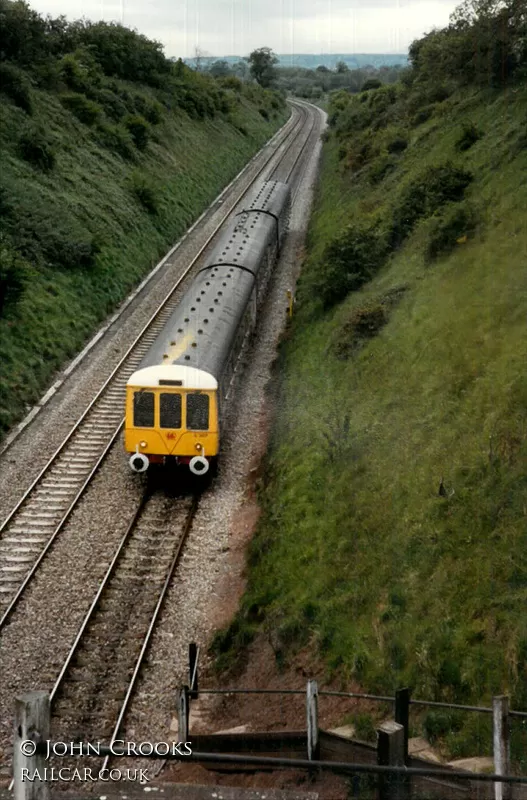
[[109, 151], [393, 540]]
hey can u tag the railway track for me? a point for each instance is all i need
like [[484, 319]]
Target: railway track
[[31, 528], [97, 679]]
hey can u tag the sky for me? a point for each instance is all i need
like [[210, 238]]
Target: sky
[[235, 27]]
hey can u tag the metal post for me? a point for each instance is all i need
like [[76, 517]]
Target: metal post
[[183, 713], [32, 725], [312, 720], [402, 715], [193, 652], [501, 741], [390, 753]]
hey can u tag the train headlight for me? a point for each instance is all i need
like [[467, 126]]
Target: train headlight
[[143, 444], [199, 447]]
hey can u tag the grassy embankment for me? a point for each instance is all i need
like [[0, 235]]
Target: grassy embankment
[[99, 177], [394, 532]]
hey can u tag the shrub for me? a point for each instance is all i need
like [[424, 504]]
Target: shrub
[[139, 130], [14, 274], [264, 113], [423, 115], [469, 135], [112, 104], [427, 193], [145, 192], [231, 82], [348, 262], [116, 138], [80, 71], [371, 83], [380, 168], [364, 727], [397, 144], [42, 235], [84, 109], [35, 148], [439, 723], [151, 110], [15, 84], [458, 222], [364, 323]]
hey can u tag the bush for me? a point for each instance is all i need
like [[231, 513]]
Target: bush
[[116, 138], [151, 110], [41, 235], [35, 148], [348, 262], [457, 223], [364, 323], [469, 135], [364, 727], [14, 274], [397, 144], [438, 724], [85, 110], [380, 168], [112, 104], [80, 71], [139, 130], [15, 84], [371, 83], [264, 113], [231, 82], [426, 194], [145, 192], [423, 115]]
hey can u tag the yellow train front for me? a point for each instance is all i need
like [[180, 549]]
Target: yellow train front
[[176, 400]]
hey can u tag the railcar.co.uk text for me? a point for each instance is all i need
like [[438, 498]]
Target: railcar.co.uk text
[[83, 774]]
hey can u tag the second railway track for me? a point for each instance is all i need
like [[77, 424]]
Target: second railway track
[[29, 531]]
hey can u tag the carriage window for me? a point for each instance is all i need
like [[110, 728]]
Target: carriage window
[[169, 410], [144, 409], [198, 412]]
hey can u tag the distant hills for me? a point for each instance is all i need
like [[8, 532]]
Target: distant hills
[[310, 60]]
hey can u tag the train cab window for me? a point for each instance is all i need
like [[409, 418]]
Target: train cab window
[[197, 412], [169, 410], [144, 409]]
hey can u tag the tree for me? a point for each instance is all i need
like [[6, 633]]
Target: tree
[[262, 63], [220, 69], [341, 67], [371, 83]]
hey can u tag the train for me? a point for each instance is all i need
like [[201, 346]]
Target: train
[[176, 401]]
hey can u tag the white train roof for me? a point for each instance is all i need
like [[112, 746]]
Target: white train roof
[[175, 375]]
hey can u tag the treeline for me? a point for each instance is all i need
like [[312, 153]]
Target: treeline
[[120, 86], [309, 83], [314, 83], [485, 45]]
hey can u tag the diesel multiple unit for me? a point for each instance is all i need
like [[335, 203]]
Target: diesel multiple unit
[[176, 400]]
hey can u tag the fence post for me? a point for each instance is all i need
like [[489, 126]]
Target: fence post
[[390, 753], [183, 713], [193, 652], [312, 720], [402, 715], [501, 741], [32, 725]]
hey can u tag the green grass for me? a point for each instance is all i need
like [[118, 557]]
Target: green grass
[[357, 553], [114, 216]]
